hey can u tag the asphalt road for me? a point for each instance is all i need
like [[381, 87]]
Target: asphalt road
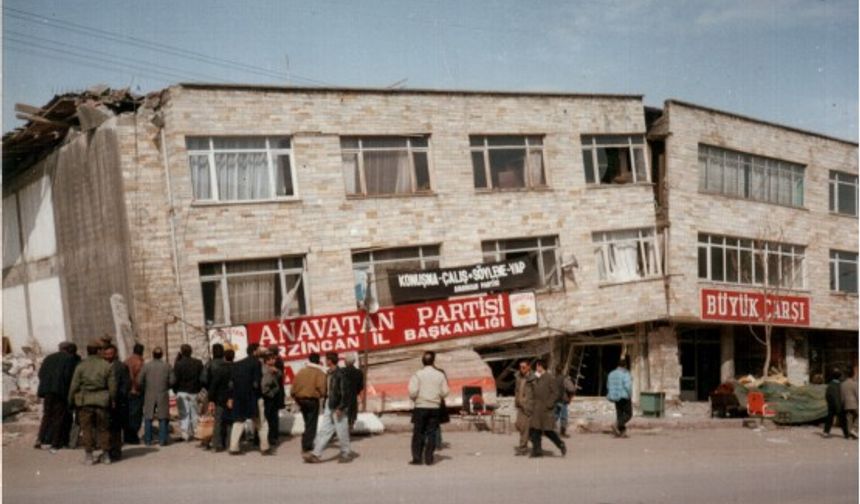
[[670, 466]]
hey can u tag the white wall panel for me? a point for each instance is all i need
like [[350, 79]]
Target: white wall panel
[[37, 220], [15, 317], [11, 235], [46, 303]]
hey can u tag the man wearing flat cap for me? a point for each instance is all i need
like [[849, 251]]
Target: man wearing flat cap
[[93, 391]]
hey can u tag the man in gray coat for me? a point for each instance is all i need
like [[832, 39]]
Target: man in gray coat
[[156, 378], [541, 393], [848, 390]]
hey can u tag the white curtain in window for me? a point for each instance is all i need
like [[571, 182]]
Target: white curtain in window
[[252, 298], [387, 172], [200, 180], [535, 167], [243, 176], [350, 173], [623, 260]]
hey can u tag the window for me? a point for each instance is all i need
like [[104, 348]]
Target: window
[[380, 261], [376, 166], [507, 162], [614, 159], [240, 168], [751, 177], [843, 193], [843, 271], [626, 255], [542, 252], [751, 262], [240, 292]]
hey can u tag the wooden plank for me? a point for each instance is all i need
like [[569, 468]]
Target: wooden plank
[[27, 109]]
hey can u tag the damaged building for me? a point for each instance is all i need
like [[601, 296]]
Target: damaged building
[[679, 237]]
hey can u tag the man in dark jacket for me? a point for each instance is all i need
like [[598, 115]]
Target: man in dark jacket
[[334, 418], [187, 371], [246, 376], [355, 379], [271, 384], [156, 378], [55, 377], [119, 408], [218, 387], [833, 396], [92, 391], [541, 395], [134, 363]]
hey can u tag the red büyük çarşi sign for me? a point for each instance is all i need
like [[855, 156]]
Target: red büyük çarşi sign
[[396, 326], [754, 307]]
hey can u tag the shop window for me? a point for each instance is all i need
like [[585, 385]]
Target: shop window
[[383, 166], [723, 171], [614, 159], [843, 193], [380, 261], [745, 261], [241, 292], [628, 255], [542, 252], [843, 271], [240, 168], [507, 162]]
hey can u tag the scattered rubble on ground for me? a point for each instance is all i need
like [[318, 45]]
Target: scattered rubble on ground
[[20, 382]]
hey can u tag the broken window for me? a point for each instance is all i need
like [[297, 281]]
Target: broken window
[[241, 292], [627, 255], [380, 261], [614, 159], [507, 162], [747, 176], [240, 168], [542, 252], [843, 193], [375, 166], [751, 262], [843, 271]]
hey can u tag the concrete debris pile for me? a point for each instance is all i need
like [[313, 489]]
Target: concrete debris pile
[[20, 381]]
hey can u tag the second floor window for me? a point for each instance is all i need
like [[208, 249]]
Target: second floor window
[[543, 253], [507, 162], [626, 255], [843, 271], [380, 261], [378, 166], [614, 159], [751, 177], [843, 193], [751, 262], [258, 290], [240, 168]]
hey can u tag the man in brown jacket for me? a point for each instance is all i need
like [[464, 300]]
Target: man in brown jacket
[[309, 387], [522, 422], [542, 392], [848, 391], [93, 391]]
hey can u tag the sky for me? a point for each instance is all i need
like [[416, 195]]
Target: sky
[[793, 62]]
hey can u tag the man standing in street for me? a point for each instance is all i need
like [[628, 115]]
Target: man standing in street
[[308, 389], [524, 375], [247, 404], [93, 390], [156, 378], [217, 376], [187, 371], [55, 378], [833, 396], [427, 388], [848, 391], [119, 408], [270, 389], [135, 397], [355, 379], [334, 418], [619, 388], [541, 394]]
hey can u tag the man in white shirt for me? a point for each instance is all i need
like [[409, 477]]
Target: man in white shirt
[[427, 388]]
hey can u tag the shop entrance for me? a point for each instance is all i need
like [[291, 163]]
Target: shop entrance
[[699, 351]]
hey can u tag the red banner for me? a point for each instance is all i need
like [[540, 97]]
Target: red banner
[[396, 326], [754, 307]]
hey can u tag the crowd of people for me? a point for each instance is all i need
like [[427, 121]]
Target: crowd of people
[[841, 396]]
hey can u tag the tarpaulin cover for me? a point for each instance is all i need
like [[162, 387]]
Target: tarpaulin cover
[[801, 404]]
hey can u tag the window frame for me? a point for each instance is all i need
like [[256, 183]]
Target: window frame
[[757, 178], [833, 183], [591, 148], [496, 256], [222, 281], [410, 150], [272, 153], [602, 242], [835, 259], [761, 254], [485, 148], [424, 257]]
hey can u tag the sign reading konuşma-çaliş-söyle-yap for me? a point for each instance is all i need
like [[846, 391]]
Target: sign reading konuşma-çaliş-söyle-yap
[[396, 326], [754, 307]]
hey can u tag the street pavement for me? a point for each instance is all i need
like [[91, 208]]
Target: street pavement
[[721, 465]]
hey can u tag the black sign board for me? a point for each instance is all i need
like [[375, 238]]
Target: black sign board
[[424, 285]]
